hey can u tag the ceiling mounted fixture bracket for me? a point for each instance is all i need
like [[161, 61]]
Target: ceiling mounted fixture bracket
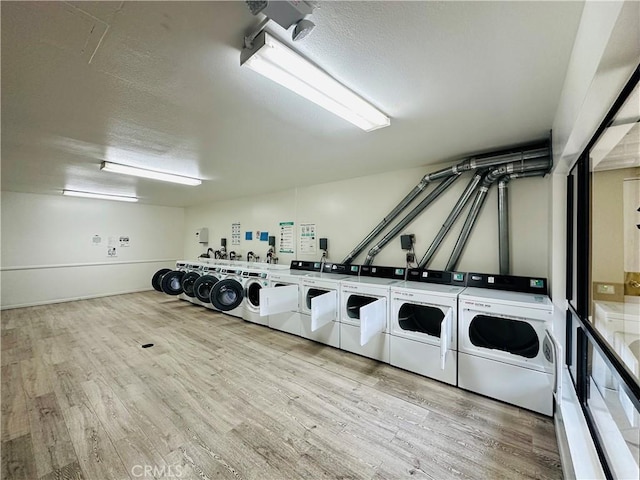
[[276, 61], [286, 14]]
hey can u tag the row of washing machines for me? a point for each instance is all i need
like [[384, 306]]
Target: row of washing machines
[[488, 334]]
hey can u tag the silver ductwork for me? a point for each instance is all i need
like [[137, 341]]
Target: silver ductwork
[[451, 219], [400, 226], [503, 225], [539, 166], [520, 156], [504, 248]]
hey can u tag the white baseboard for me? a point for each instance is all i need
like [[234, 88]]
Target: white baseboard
[[71, 299]]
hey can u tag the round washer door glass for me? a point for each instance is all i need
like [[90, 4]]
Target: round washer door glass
[[227, 294], [171, 282], [202, 287], [188, 282], [253, 294]]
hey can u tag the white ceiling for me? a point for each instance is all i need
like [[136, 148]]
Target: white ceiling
[[159, 85]]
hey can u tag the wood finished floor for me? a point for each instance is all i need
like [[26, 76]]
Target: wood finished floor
[[217, 397]]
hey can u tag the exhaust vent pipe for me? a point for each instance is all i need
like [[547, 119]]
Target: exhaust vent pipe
[[410, 217]]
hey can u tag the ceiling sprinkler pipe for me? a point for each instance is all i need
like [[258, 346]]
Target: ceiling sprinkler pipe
[[451, 219], [402, 224]]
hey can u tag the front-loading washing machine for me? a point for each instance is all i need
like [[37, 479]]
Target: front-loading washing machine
[[320, 302], [280, 302], [506, 348], [424, 324], [255, 279], [364, 311], [227, 294], [202, 286], [193, 271], [171, 282]]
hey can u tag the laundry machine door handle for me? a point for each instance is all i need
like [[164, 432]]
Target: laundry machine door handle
[[445, 337]]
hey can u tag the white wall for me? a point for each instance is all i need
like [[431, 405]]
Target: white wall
[[48, 256], [346, 211]]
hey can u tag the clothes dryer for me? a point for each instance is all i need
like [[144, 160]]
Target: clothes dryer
[[506, 347], [320, 302], [281, 300], [424, 324], [364, 311]]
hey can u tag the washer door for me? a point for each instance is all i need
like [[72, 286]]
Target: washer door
[[171, 282], [188, 282], [252, 293], [202, 287], [157, 278], [227, 294]]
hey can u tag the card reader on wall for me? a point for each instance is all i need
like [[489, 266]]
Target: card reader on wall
[[203, 235]]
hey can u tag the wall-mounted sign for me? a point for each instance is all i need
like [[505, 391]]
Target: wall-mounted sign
[[287, 237], [307, 239]]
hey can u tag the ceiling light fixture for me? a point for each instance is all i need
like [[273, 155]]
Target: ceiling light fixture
[[279, 63], [144, 173], [101, 196]]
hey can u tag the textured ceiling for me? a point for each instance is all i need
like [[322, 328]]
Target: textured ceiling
[[159, 85]]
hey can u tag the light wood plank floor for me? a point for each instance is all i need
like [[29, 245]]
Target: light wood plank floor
[[217, 397]]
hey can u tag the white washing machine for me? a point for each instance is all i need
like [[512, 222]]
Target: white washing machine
[[280, 302], [171, 282], [227, 295], [320, 303], [193, 271], [424, 324], [364, 311], [506, 349], [619, 324], [255, 279], [210, 275]]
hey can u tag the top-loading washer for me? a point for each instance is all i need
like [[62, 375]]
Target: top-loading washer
[[364, 311], [506, 349], [227, 294], [424, 323], [320, 302], [255, 279], [281, 300]]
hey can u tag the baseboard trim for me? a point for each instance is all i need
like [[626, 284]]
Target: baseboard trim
[[72, 299]]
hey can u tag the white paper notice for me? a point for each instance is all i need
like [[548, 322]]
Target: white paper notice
[[235, 233], [287, 237], [124, 240], [308, 245], [96, 240]]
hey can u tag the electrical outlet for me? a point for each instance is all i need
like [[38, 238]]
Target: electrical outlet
[[606, 289]]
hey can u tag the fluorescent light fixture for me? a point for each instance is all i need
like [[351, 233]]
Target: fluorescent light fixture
[[101, 196], [276, 61], [144, 173]]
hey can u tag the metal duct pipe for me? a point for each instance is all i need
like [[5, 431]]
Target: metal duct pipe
[[503, 225], [448, 223], [388, 219], [542, 164], [400, 226], [476, 207], [504, 252], [473, 163]]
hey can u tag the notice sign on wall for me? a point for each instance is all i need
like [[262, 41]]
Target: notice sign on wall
[[124, 240], [235, 233], [287, 237], [307, 238]]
